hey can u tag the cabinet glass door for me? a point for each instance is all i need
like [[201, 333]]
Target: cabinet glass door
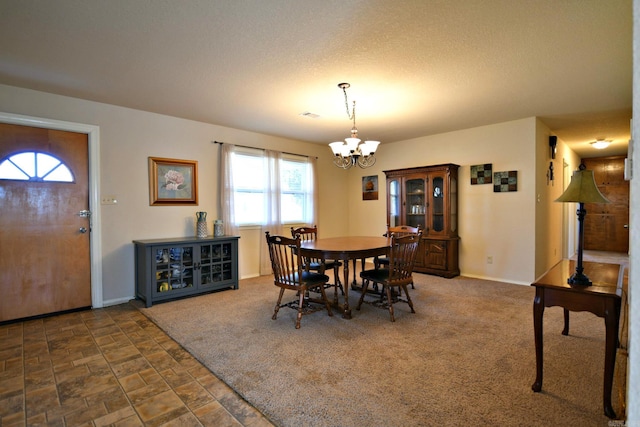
[[395, 205], [216, 263], [415, 206], [174, 268], [437, 206]]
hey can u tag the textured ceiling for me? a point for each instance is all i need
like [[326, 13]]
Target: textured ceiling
[[416, 68]]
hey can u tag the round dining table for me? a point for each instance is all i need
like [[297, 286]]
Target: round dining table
[[346, 249]]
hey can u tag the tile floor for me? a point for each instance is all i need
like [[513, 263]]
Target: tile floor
[[109, 367]]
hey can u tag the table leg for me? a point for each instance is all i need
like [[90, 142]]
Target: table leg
[[565, 331], [538, 311], [612, 322], [346, 313], [355, 282]]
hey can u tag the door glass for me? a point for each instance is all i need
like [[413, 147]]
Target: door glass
[[454, 204], [437, 209], [415, 203], [394, 203], [180, 267]]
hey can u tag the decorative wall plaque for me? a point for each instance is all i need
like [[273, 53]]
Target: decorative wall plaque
[[505, 181], [481, 174]]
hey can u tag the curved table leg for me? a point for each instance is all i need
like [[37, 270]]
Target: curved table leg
[[565, 331]]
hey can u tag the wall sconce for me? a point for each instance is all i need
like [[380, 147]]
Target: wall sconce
[[553, 142]]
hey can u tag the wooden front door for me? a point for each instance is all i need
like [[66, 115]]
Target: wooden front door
[[606, 225], [44, 241]]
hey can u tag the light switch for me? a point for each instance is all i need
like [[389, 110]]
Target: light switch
[[109, 200]]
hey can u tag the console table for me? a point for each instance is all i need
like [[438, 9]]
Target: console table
[[603, 299]]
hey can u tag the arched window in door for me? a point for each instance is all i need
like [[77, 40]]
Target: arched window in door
[[35, 166]]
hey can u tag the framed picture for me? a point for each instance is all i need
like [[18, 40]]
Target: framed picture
[[505, 181], [370, 187], [173, 182], [481, 174]]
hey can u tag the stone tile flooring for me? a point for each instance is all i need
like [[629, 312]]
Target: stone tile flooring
[[109, 367]]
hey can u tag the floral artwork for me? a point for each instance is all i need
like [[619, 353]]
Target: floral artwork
[[172, 182]]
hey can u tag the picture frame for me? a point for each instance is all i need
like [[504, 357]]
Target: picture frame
[[504, 182], [173, 182], [370, 187], [481, 174]]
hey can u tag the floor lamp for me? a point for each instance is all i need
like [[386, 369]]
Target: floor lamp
[[582, 189]]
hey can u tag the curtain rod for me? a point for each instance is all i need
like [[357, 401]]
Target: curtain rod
[[263, 149]]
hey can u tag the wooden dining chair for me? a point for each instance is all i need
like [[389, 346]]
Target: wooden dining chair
[[399, 231], [289, 274], [402, 257], [319, 265]]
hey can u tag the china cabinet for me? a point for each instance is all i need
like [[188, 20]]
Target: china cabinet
[[427, 197], [174, 268]]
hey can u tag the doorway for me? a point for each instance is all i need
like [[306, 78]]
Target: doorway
[[28, 257]]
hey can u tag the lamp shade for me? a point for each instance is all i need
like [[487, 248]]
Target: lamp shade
[[369, 147], [582, 189], [337, 147]]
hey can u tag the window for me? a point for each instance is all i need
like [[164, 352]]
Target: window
[[34, 166], [251, 189]]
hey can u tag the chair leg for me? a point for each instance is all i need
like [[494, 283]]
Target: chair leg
[[336, 274], [300, 306], [326, 301], [408, 298], [275, 311], [337, 283], [365, 285], [390, 302]]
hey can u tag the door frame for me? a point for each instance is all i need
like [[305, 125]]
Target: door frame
[[93, 137]]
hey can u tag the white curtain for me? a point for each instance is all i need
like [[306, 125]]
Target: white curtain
[[227, 190], [311, 214], [272, 205], [272, 200]]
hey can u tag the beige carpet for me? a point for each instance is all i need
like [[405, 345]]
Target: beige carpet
[[465, 358]]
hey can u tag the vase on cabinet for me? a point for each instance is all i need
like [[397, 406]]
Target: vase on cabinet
[[201, 225]]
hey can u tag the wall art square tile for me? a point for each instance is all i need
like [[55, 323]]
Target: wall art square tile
[[505, 181], [481, 174]]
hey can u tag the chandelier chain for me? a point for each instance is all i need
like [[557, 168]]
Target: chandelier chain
[[352, 116]]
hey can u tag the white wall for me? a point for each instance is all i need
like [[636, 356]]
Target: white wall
[[501, 225], [633, 385], [127, 138]]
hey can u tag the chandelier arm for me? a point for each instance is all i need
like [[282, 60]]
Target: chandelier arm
[[342, 162], [366, 161]]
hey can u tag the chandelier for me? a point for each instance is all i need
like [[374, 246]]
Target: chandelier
[[352, 151]]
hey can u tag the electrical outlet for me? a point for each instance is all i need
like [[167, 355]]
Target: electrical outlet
[[489, 260], [109, 200]]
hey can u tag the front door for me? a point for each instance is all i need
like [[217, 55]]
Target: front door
[[44, 240], [606, 225]]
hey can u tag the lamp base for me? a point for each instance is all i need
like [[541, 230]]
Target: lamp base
[[579, 279]]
